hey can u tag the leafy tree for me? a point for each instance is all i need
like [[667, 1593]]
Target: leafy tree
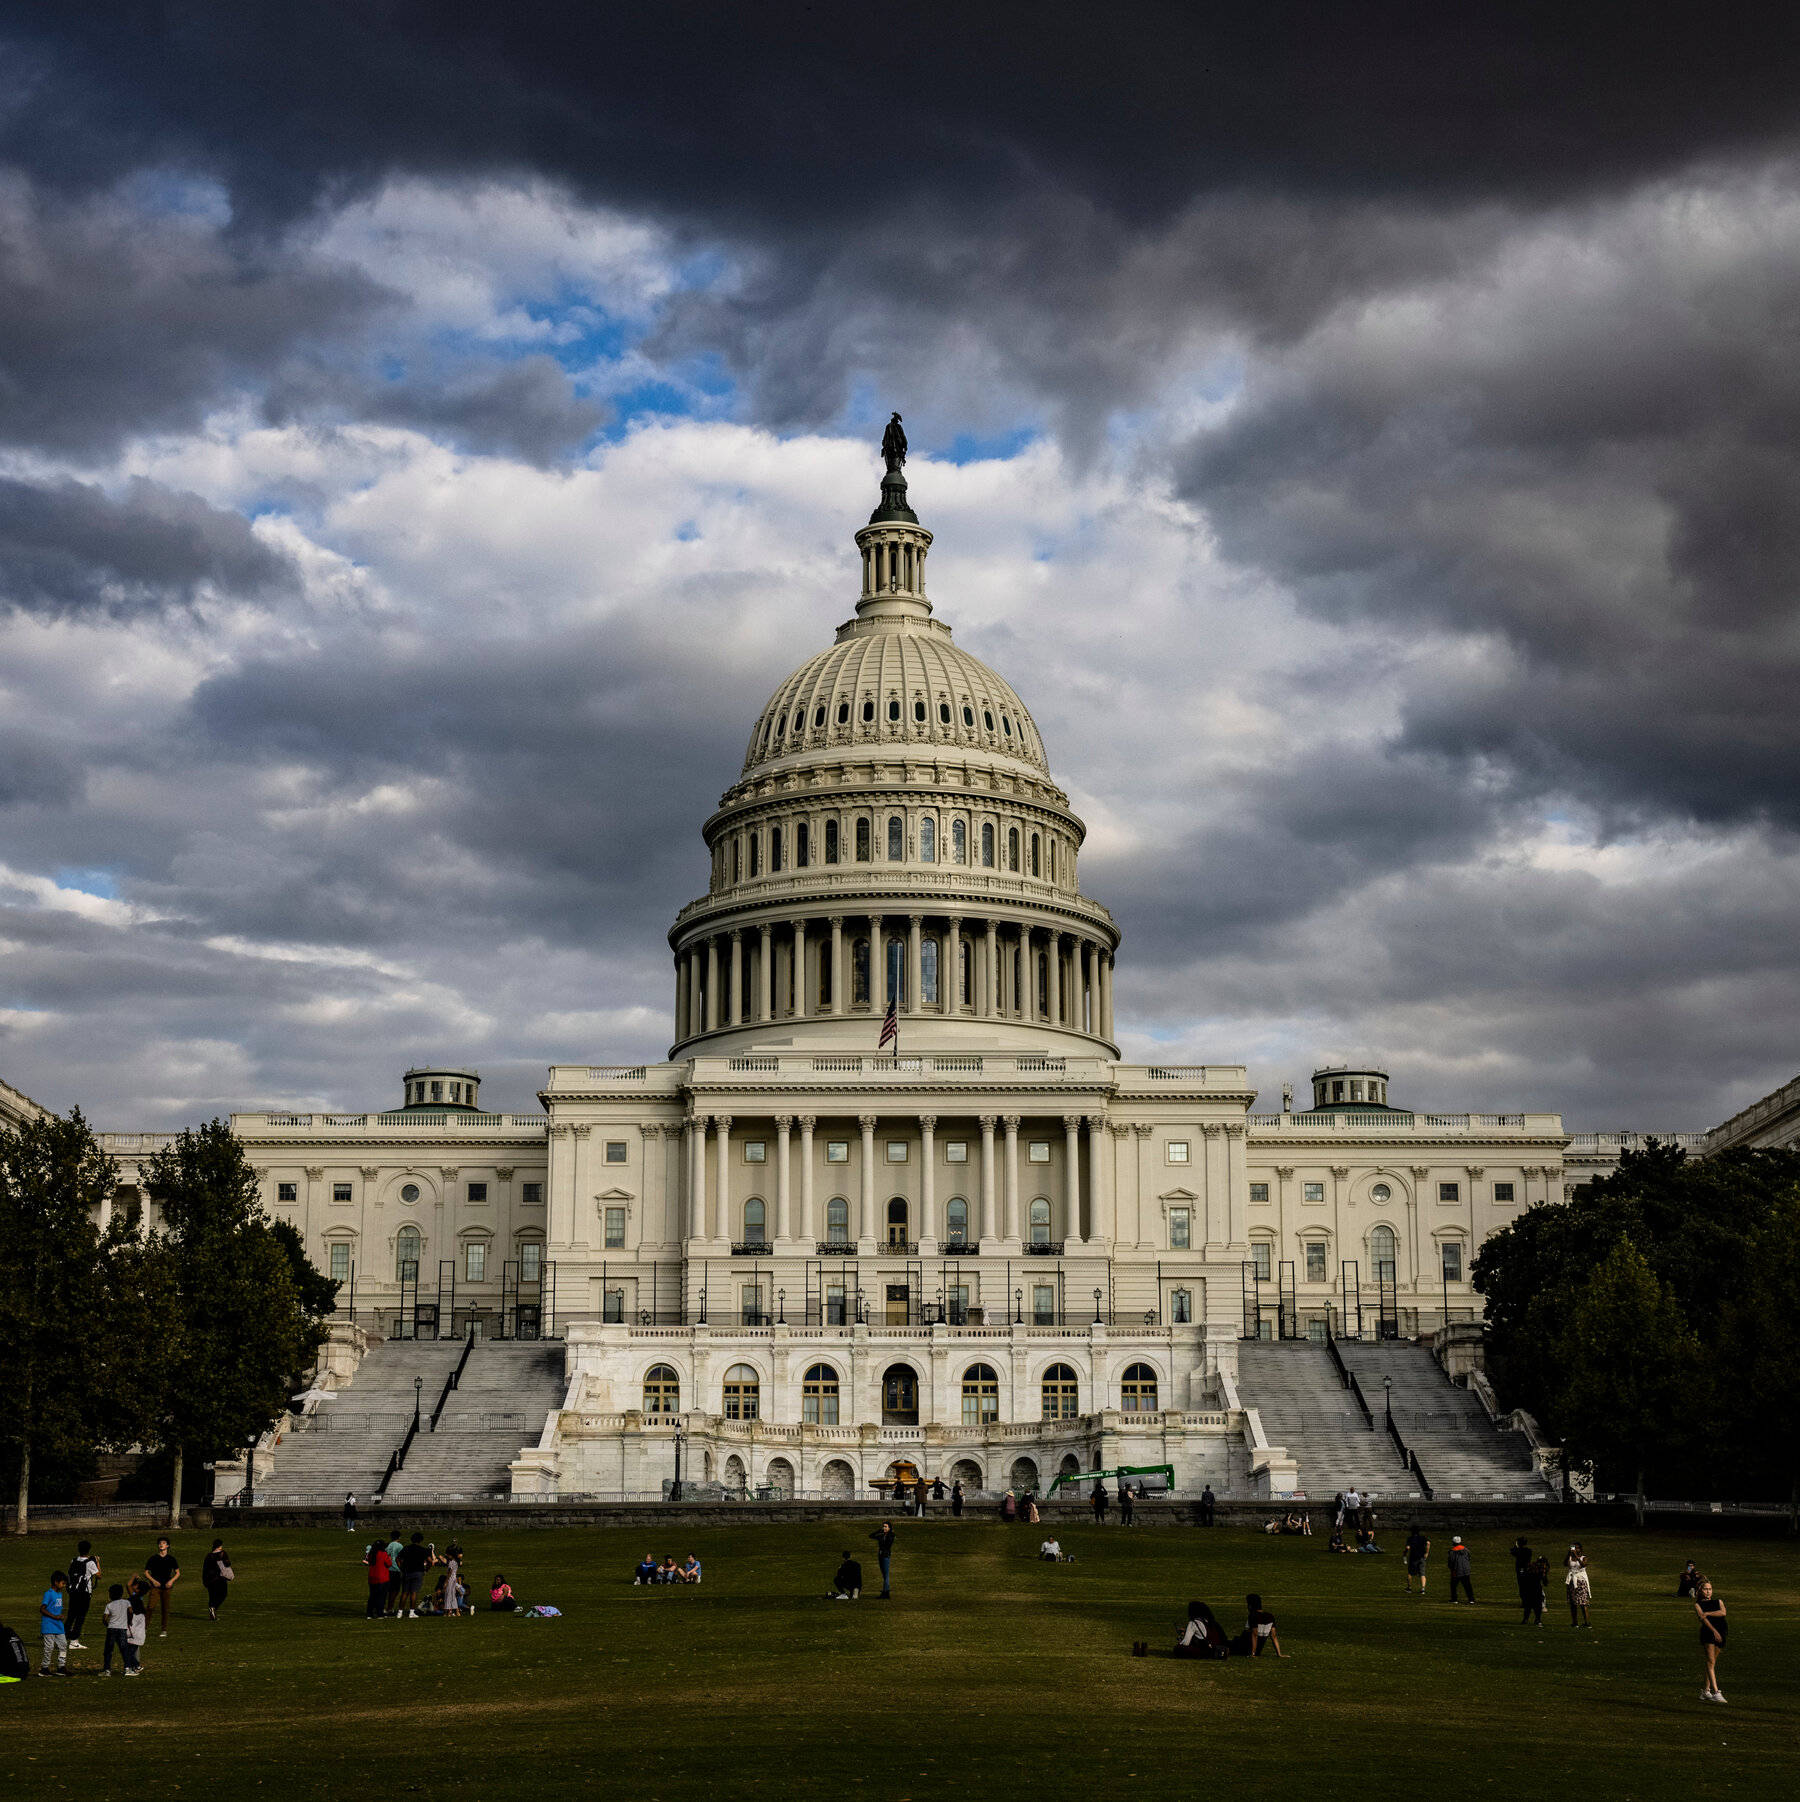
[[239, 1327], [1632, 1369], [54, 1184], [318, 1292], [1761, 1349]]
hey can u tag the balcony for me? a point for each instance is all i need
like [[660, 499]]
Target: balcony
[[752, 1248], [899, 1248], [837, 1248], [1043, 1248]]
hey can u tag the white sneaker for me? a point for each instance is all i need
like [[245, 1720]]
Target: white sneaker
[[1717, 1697], [138, 1673], [164, 1634]]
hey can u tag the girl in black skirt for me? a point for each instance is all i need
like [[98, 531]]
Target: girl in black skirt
[[1711, 1610]]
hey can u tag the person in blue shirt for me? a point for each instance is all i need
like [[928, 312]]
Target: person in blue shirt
[[690, 1572], [646, 1572], [50, 1619]]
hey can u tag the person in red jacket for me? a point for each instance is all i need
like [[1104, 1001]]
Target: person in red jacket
[[381, 1571]]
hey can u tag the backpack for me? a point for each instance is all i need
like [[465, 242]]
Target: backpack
[[15, 1664]]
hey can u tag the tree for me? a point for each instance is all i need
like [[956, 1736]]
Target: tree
[[55, 1183], [1761, 1348], [1632, 1369], [240, 1327]]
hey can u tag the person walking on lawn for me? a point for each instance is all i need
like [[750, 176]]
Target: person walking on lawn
[[162, 1571], [884, 1551], [1459, 1571]]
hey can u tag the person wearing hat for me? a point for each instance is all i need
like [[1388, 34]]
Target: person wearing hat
[[1459, 1570]]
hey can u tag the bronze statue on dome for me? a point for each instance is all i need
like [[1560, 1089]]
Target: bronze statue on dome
[[893, 443]]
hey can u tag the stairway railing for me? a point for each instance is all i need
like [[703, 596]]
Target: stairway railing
[[1347, 1377], [1408, 1457], [454, 1379]]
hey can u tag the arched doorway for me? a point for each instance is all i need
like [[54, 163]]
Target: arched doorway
[[736, 1478], [899, 1396], [837, 1479], [780, 1479], [1024, 1477], [1069, 1466], [897, 1236], [966, 1472]]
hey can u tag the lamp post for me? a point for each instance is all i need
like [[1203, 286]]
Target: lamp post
[[418, 1392], [781, 1307], [703, 1304], [1097, 1295], [1018, 1307], [675, 1487], [1387, 1387], [862, 1318]]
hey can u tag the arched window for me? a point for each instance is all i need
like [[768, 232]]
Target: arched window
[[1137, 1389], [987, 718], [868, 713], [959, 842], [1034, 855], [987, 844], [406, 1254], [980, 1395], [819, 1396], [956, 1222], [799, 719], [742, 1393], [943, 713], [831, 841], [662, 1390], [1381, 1253], [896, 1221], [819, 717], [862, 841], [900, 1396], [928, 972], [1043, 984], [859, 972], [928, 840], [1012, 848], [1061, 1393], [1040, 1222], [896, 838], [756, 1217], [774, 849], [802, 845], [837, 1221]]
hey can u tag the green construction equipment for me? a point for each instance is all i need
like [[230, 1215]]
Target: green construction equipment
[[1165, 1471]]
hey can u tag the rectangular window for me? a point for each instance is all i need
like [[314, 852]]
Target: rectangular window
[[1178, 1151], [896, 1151], [340, 1263], [531, 1261], [956, 1151], [1452, 1250], [340, 1192], [612, 1305], [615, 1151], [478, 1191], [834, 1304], [287, 1191], [1259, 1260], [532, 1194], [1038, 1151], [1449, 1191], [1314, 1191], [756, 1151], [615, 1227], [475, 1261], [1043, 1304], [1178, 1228], [1259, 1191], [956, 1303], [837, 1151], [1503, 1191], [1181, 1306], [1315, 1261], [752, 1297]]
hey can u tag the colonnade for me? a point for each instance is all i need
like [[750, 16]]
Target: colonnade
[[803, 969], [994, 1196]]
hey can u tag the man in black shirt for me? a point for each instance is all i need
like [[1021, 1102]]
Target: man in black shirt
[[162, 1571], [1459, 1571], [1522, 1556], [413, 1560], [1208, 1501], [884, 1550], [84, 1567], [846, 1586]]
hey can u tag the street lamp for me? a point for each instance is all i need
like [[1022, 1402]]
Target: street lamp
[[703, 1304], [675, 1487], [418, 1390], [1097, 1294], [781, 1307], [1018, 1307], [1387, 1385]]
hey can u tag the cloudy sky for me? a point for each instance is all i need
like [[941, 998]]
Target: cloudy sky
[[1369, 440]]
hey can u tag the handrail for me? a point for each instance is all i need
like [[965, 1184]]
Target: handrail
[[397, 1460], [1408, 1457], [454, 1379], [1347, 1377], [1362, 1401]]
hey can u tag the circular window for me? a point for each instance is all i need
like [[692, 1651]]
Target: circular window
[[410, 1192], [1381, 1192]]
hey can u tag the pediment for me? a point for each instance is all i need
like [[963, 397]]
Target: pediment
[[614, 1195], [1178, 1195]]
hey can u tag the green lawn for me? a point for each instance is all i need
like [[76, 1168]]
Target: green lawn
[[989, 1674]]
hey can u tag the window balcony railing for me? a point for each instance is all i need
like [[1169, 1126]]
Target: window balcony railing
[[961, 1248], [1043, 1248], [752, 1248], [837, 1248], [901, 1248]]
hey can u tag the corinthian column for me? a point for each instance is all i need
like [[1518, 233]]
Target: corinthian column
[[990, 973], [765, 974], [801, 999], [865, 1195], [837, 963], [1072, 1177], [734, 1002], [1053, 961], [984, 1227], [783, 1125], [721, 1208], [712, 984], [1010, 1229], [1100, 1228], [927, 1233], [1106, 996], [950, 999], [808, 1226]]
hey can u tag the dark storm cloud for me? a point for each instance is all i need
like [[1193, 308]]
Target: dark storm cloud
[[68, 548], [34, 773]]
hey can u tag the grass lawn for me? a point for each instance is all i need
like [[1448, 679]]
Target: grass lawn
[[988, 1674]]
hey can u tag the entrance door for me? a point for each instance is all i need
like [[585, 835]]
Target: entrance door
[[896, 1304], [899, 1396]]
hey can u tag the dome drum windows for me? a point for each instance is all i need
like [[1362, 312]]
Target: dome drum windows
[[928, 840], [896, 839]]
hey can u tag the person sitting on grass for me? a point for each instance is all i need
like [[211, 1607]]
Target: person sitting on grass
[[690, 1571], [500, 1596], [1259, 1633], [846, 1586], [1051, 1551], [1687, 1585], [666, 1571], [1336, 1542], [1202, 1637], [646, 1570], [1365, 1540]]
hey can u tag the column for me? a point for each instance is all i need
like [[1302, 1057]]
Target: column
[[1214, 1218], [990, 975], [913, 987], [877, 966], [734, 1002], [927, 1233], [1106, 998], [984, 1226], [765, 975], [721, 1206], [681, 996], [1072, 1177], [1100, 1229], [1237, 1190], [809, 1228], [837, 963], [950, 997], [1026, 1000], [783, 1125], [1053, 981], [693, 1224], [696, 1020], [1087, 1010], [865, 1202], [800, 996], [712, 985], [1010, 1227]]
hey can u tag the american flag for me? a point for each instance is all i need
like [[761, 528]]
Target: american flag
[[890, 1027]]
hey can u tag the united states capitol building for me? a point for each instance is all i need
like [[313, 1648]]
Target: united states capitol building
[[987, 1250]]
